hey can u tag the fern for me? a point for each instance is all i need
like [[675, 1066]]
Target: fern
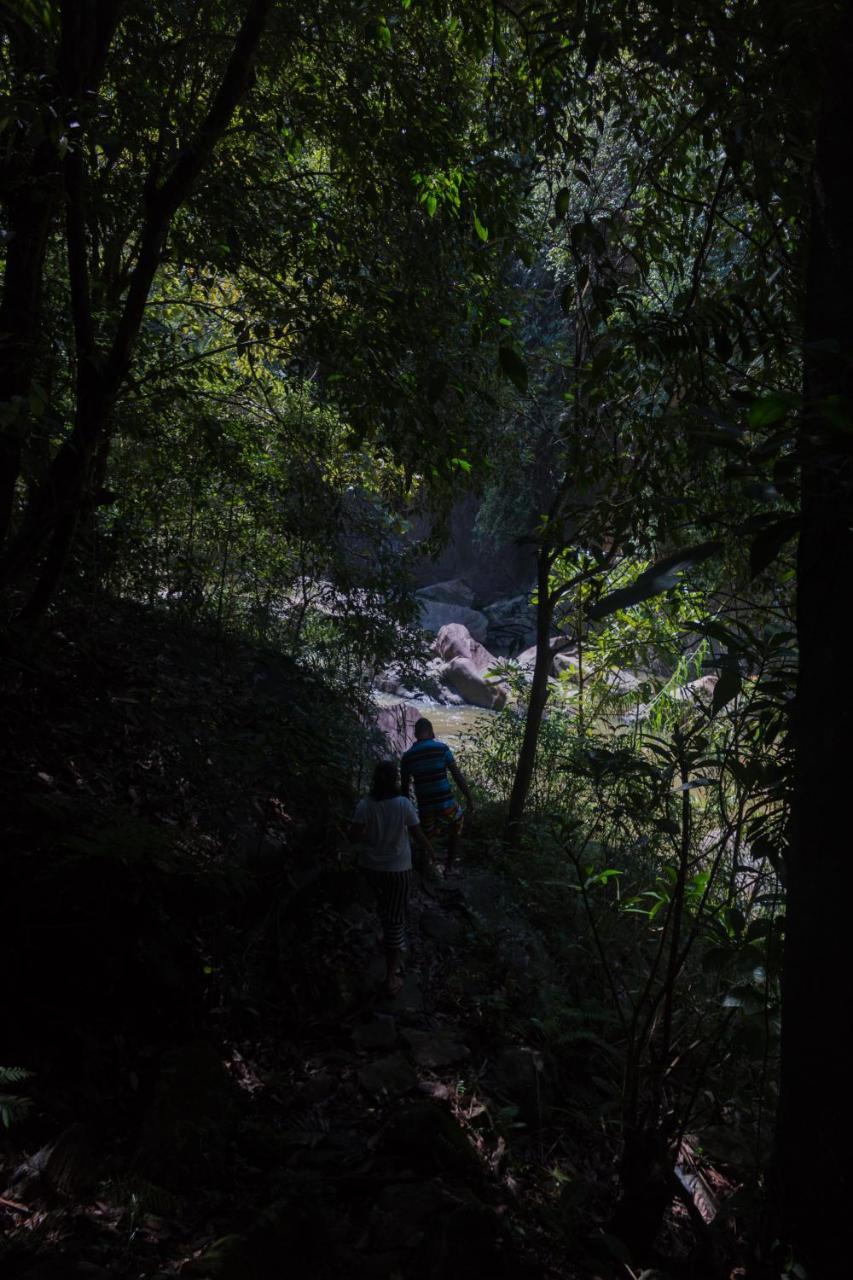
[[13, 1107], [14, 1075]]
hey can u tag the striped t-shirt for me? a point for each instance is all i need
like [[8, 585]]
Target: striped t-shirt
[[427, 763]]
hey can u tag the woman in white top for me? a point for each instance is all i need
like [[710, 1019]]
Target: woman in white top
[[382, 824]]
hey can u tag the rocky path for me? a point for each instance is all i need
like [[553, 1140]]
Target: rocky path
[[390, 1148], [351, 1134]]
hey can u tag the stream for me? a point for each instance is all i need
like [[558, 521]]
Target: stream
[[452, 725]]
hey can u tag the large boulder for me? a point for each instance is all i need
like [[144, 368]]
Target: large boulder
[[463, 675], [512, 624], [456, 641], [454, 591], [396, 723], [425, 685], [436, 614], [564, 656], [700, 691]]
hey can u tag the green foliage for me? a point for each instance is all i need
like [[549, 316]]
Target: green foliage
[[13, 1107]]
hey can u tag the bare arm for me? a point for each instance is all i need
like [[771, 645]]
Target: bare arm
[[459, 779], [422, 841], [356, 832]]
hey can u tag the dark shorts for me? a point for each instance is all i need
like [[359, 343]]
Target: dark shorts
[[446, 821]]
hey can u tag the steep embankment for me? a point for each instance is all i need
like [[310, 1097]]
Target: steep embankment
[[189, 973]]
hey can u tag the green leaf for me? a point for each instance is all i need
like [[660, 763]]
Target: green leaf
[[727, 687], [513, 367], [431, 204], [482, 232], [561, 203], [771, 408]]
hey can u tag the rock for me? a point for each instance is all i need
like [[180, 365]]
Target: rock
[[392, 1075], [454, 591], [434, 1048], [701, 690], [563, 660], [379, 1033], [462, 674], [397, 725], [456, 641], [625, 681], [391, 681], [435, 615], [424, 686], [442, 928], [512, 624]]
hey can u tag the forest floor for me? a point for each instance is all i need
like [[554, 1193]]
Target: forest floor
[[192, 973]]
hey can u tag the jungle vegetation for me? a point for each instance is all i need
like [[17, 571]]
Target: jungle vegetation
[[277, 278]]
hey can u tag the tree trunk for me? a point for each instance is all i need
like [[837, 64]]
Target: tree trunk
[[538, 697], [53, 512], [817, 1031]]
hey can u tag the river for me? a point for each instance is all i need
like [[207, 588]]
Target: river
[[452, 724]]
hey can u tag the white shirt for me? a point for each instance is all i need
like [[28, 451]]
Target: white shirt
[[386, 839]]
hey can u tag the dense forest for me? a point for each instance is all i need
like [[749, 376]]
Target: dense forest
[[296, 300]]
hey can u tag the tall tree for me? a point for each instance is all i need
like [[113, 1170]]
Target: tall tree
[[102, 364], [817, 1026]]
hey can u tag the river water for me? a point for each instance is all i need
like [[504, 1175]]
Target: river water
[[452, 725]]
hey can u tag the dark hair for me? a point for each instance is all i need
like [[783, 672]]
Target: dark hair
[[424, 729], [385, 783]]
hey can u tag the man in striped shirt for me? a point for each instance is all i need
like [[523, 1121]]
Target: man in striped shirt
[[427, 765]]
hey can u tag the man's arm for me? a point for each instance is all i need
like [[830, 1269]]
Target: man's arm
[[356, 832], [405, 778], [422, 841], [459, 779]]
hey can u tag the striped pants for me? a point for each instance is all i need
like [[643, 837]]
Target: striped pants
[[392, 900]]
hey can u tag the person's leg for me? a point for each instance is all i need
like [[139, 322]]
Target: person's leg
[[393, 964], [394, 906]]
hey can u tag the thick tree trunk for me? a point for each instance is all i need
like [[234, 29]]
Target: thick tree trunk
[[537, 700], [817, 1029]]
